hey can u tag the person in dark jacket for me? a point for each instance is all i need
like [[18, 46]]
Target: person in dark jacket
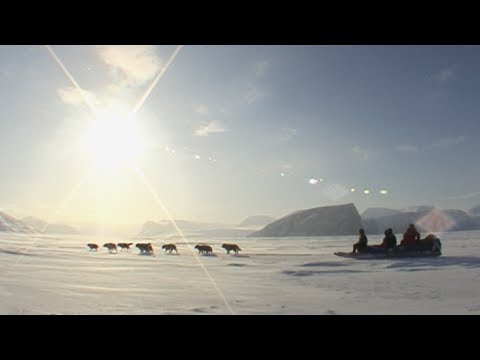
[[389, 242], [361, 245]]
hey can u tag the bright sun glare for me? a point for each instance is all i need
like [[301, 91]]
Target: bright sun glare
[[113, 140]]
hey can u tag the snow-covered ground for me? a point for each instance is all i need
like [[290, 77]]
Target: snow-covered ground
[[58, 275]]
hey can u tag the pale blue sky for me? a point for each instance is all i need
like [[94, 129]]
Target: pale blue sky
[[250, 125]]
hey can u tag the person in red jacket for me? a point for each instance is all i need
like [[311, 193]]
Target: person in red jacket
[[410, 237]]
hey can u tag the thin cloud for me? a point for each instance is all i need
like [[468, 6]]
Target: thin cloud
[[361, 154], [465, 196], [440, 143], [287, 134], [6, 72], [253, 94], [444, 75], [137, 63], [446, 142], [406, 148], [212, 127], [201, 110], [261, 67], [335, 191], [286, 167], [73, 96]]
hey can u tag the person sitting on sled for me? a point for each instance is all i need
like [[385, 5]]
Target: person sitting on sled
[[361, 245], [410, 237]]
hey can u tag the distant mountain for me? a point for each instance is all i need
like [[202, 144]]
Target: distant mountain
[[475, 210], [373, 213], [227, 232], [43, 227], [151, 228], [398, 222], [166, 228], [10, 224], [256, 220], [320, 221], [418, 208], [426, 219]]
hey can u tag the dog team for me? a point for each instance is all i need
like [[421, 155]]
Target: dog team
[[147, 248]]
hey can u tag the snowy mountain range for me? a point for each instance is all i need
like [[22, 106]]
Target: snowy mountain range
[[30, 225], [320, 221], [257, 221], [192, 228], [331, 220], [426, 219], [42, 226], [10, 224]]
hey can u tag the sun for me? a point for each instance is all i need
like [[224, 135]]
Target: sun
[[113, 140]]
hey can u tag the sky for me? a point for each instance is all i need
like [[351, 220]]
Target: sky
[[126, 134]]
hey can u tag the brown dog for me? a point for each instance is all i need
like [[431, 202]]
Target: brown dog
[[170, 248], [231, 247], [124, 246], [145, 248], [110, 247], [204, 249], [93, 246]]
